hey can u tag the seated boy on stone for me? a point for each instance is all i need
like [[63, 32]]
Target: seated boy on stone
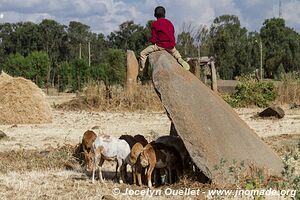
[[162, 38]]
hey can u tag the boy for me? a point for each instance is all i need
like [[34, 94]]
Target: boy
[[162, 38]]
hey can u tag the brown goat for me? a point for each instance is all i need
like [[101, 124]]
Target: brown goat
[[148, 161], [154, 155], [133, 160], [132, 140], [87, 142]]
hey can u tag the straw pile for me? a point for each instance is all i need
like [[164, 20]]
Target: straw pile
[[22, 102]]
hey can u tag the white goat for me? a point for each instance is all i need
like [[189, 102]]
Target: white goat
[[111, 149]]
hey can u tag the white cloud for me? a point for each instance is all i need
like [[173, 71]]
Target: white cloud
[[105, 15], [291, 13]]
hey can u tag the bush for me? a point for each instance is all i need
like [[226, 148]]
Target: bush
[[33, 67], [251, 92]]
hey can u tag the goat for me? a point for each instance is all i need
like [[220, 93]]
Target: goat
[[129, 139], [148, 161], [156, 156], [141, 139], [132, 140], [111, 149], [87, 142], [177, 143], [168, 160], [133, 159]]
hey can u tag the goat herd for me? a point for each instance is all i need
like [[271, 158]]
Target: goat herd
[[162, 160]]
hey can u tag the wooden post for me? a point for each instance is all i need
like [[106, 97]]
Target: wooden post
[[79, 50], [214, 85], [195, 67], [78, 84], [132, 72], [89, 54], [205, 73], [257, 74], [58, 82], [69, 85]]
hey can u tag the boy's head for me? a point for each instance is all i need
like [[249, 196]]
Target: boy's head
[[159, 12]]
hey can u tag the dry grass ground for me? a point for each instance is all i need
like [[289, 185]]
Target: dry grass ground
[[37, 160], [57, 174]]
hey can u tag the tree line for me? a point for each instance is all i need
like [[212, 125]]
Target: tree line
[[52, 54]]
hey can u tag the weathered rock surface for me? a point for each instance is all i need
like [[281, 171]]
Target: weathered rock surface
[[209, 127]]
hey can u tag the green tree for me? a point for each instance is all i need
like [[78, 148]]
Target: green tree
[[253, 53], [39, 63], [99, 47], [116, 71], [202, 40], [112, 71], [27, 37], [54, 43], [281, 45], [66, 77], [185, 44], [78, 34], [228, 41], [80, 74], [33, 67], [130, 36], [8, 41], [17, 65]]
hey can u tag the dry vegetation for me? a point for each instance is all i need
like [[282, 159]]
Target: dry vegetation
[[289, 91], [63, 158], [94, 99]]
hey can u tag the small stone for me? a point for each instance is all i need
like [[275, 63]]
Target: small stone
[[108, 197], [2, 135], [96, 127]]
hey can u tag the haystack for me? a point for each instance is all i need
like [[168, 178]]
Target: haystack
[[22, 102]]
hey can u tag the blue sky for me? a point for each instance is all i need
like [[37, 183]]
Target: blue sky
[[105, 15]]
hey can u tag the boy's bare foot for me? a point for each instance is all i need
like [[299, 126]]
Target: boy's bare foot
[[184, 64], [141, 66]]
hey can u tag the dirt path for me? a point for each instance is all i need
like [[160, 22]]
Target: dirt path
[[68, 127], [290, 124]]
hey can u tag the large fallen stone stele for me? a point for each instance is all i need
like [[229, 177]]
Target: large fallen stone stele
[[209, 127]]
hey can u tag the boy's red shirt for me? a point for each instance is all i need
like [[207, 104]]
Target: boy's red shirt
[[162, 33]]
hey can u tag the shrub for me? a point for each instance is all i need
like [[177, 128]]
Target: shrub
[[33, 67], [251, 92]]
